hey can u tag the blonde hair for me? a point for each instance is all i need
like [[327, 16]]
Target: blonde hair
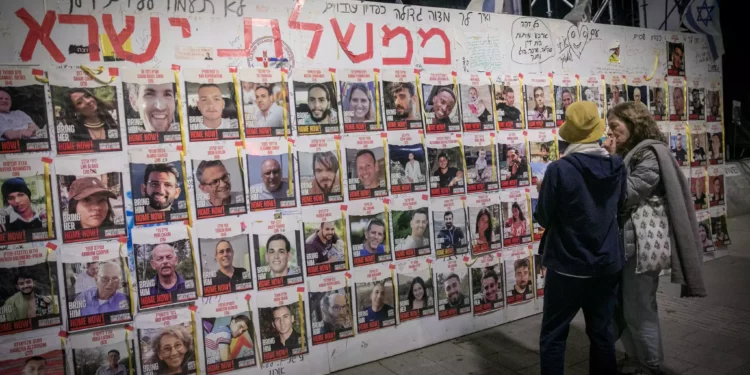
[[640, 124]]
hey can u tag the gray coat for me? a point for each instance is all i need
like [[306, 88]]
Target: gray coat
[[643, 182]]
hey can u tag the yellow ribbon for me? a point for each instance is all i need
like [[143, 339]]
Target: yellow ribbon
[[385, 216], [528, 206], [48, 199], [656, 64], [94, 74], [283, 103], [333, 84], [344, 239], [199, 290], [494, 106], [182, 120], [185, 180], [341, 168], [238, 101], [41, 79], [528, 157], [55, 308], [252, 333], [301, 313], [130, 352], [348, 301], [684, 92], [395, 287], [494, 170], [377, 103], [723, 133], [689, 136], [385, 153], [124, 260], [578, 88], [420, 96], [463, 159], [290, 166], [457, 96], [666, 98], [531, 261], [523, 104], [195, 342], [553, 115]]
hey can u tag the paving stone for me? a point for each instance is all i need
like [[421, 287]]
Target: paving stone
[[372, 368], [712, 359], [700, 371], [713, 341]]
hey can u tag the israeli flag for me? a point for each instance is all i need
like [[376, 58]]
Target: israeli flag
[[495, 6], [702, 16]]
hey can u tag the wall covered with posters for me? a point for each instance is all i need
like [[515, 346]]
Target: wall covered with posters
[[200, 186]]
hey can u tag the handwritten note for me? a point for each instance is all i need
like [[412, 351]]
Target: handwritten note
[[532, 42], [485, 53]]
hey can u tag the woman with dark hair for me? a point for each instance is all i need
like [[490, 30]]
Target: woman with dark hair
[[517, 222], [705, 235], [89, 115], [172, 350], [360, 104], [417, 294], [483, 227], [655, 187], [89, 198]]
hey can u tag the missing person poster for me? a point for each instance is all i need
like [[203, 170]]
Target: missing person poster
[[678, 142], [516, 218], [166, 342], [24, 126], [320, 170], [454, 298], [616, 93], [714, 103], [368, 232], [543, 150], [446, 164], [403, 110], [265, 99], [705, 231], [481, 163], [416, 289], [103, 351], [271, 178], [592, 90], [449, 224], [697, 99], [637, 90], [359, 100], [716, 185], [33, 355], [538, 230], [282, 324], [715, 136], [700, 144], [698, 188], [158, 185], [477, 102], [224, 248], [657, 98], [676, 53], [217, 179], [676, 98], [278, 254], [410, 224], [324, 229], [719, 226], [228, 333], [540, 274], [26, 212], [316, 102], [518, 275], [165, 265], [365, 165], [487, 284], [509, 102], [97, 285], [407, 162], [211, 100], [91, 197], [331, 313], [151, 106], [566, 93], [440, 99], [375, 298], [86, 110], [539, 102], [29, 292], [484, 223], [512, 161]]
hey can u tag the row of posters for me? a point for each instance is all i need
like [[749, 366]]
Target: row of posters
[[100, 111]]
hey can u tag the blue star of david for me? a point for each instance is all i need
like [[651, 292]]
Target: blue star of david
[[708, 10]]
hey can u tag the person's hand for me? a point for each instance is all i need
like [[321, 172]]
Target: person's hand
[[609, 145], [28, 133]]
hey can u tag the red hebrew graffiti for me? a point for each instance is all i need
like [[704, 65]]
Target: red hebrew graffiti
[[248, 34], [314, 27], [182, 23], [39, 34], [119, 39], [93, 31], [388, 35], [345, 40], [446, 60]]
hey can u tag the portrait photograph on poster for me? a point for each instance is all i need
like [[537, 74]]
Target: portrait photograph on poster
[[514, 167], [452, 278], [403, 109], [698, 188], [676, 61], [272, 188], [616, 90], [103, 351], [211, 101], [656, 95], [719, 226], [516, 228], [566, 93], [217, 177], [518, 276], [476, 102], [449, 223], [637, 90], [28, 300], [484, 223], [481, 165], [228, 334], [158, 185], [487, 284], [700, 145], [23, 112], [150, 106], [446, 165], [715, 136], [407, 162], [365, 166], [166, 342], [410, 222], [326, 250], [33, 355], [416, 289], [537, 229], [320, 171], [165, 265], [539, 101], [331, 313], [282, 325], [316, 103], [440, 100], [678, 139], [278, 254], [705, 231], [85, 112], [676, 92], [368, 230], [591, 91], [716, 186], [358, 100], [540, 274], [96, 285], [509, 102], [91, 198], [26, 215], [543, 150], [713, 102], [373, 288], [696, 106], [224, 249], [265, 98]]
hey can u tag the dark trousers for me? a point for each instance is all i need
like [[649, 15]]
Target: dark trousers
[[563, 297]]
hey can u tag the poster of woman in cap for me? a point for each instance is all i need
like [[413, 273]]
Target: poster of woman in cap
[[25, 208], [91, 203], [23, 112]]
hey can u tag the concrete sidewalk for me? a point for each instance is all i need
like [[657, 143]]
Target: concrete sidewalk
[[701, 336]]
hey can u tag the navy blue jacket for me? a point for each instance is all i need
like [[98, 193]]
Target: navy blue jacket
[[578, 204]]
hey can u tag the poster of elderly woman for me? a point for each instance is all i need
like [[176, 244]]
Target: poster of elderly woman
[[166, 342]]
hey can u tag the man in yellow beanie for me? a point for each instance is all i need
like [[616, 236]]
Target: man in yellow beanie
[[578, 203]]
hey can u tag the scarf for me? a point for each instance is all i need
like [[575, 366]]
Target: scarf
[[687, 255], [585, 148]]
